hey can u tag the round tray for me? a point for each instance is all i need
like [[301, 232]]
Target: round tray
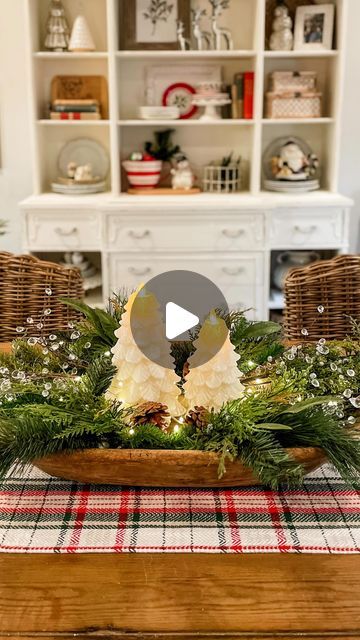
[[148, 468]]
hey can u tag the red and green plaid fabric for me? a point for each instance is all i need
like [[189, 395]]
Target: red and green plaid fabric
[[39, 514]]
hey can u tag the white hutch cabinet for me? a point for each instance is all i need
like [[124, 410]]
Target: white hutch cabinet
[[232, 239]]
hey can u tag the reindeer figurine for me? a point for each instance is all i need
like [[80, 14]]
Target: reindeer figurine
[[183, 42], [200, 36], [220, 32]]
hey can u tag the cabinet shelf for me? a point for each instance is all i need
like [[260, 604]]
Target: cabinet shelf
[[68, 55], [186, 55], [184, 123], [331, 53], [277, 121]]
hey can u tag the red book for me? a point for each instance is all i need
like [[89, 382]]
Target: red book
[[249, 78]]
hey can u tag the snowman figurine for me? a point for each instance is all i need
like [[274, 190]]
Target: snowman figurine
[[182, 175], [282, 38]]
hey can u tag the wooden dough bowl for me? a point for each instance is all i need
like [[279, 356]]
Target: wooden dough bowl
[[146, 468]]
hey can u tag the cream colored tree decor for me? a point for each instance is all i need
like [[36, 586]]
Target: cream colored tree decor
[[212, 384], [81, 37], [139, 379]]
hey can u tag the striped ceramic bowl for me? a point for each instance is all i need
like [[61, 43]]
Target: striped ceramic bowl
[[143, 174]]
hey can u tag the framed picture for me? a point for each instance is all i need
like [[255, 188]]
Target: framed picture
[[314, 27], [152, 24]]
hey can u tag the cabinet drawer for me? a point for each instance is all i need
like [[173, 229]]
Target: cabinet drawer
[[63, 230], [240, 279], [307, 228], [153, 233]]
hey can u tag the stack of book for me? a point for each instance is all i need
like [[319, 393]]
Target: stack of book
[[75, 110], [242, 96]]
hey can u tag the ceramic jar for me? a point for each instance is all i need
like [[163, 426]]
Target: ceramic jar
[[287, 261]]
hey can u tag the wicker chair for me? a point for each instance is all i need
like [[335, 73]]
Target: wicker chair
[[321, 299], [23, 284]]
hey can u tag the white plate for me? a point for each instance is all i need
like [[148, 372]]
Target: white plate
[[159, 113], [85, 151], [160, 77], [75, 190]]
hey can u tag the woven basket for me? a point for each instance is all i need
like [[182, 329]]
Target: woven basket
[[332, 284], [23, 280]]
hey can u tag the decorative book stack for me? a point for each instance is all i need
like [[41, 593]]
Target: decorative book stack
[[293, 94], [242, 95], [75, 110]]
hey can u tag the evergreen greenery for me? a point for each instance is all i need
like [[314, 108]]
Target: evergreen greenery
[[52, 399]]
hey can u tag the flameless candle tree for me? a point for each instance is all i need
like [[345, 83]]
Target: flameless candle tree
[[138, 379], [212, 384]]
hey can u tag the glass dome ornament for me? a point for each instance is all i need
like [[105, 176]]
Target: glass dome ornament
[[57, 28], [291, 166]]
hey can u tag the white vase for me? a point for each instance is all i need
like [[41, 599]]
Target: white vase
[[81, 38], [288, 260]]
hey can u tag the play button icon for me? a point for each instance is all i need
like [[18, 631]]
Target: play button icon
[[171, 308], [178, 320]]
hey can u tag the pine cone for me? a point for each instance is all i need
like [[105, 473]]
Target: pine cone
[[199, 418], [150, 413], [186, 369]]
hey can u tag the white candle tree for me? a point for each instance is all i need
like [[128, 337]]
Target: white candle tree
[[213, 378], [139, 379]]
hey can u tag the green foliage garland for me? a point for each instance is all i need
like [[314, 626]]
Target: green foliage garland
[[52, 399]]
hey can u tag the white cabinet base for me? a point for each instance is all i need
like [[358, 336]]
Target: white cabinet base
[[227, 240]]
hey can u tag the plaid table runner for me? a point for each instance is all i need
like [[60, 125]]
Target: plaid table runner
[[39, 514]]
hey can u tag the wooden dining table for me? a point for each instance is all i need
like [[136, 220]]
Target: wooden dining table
[[252, 596]]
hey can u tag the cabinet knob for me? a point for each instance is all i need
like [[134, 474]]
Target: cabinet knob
[[66, 232], [139, 235], [233, 271], [306, 230], [139, 272], [233, 233]]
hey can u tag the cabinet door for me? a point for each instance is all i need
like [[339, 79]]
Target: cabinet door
[[239, 278], [63, 230], [304, 228]]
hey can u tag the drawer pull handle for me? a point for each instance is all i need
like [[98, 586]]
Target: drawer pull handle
[[139, 272], [233, 271], [306, 230], [233, 233], [65, 233], [139, 235]]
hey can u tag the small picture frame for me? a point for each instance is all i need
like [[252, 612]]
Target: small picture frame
[[152, 24], [314, 27]]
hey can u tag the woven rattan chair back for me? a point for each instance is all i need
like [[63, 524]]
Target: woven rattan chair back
[[25, 284], [321, 299]]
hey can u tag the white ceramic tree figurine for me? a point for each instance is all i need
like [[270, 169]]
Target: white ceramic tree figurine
[[139, 379], [57, 28], [81, 37], [216, 382]]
